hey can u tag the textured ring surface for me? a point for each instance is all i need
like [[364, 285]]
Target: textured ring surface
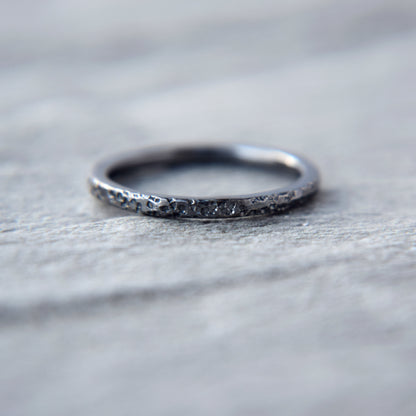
[[274, 201]]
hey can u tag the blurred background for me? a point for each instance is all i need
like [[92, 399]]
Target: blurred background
[[103, 312]]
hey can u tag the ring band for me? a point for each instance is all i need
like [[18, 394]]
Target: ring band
[[269, 202]]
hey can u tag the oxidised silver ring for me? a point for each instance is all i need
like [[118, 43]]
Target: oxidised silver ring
[[274, 201]]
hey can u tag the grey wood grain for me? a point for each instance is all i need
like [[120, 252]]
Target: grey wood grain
[[103, 312]]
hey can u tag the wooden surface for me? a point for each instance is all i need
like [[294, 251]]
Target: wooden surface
[[106, 313]]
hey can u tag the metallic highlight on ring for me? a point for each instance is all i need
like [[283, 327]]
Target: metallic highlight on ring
[[269, 202]]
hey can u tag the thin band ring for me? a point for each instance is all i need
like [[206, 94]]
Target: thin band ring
[[275, 201]]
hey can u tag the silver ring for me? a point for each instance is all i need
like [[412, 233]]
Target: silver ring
[[274, 201]]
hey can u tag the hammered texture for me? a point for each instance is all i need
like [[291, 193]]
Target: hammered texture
[[158, 206]]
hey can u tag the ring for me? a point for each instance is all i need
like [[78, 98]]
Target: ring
[[104, 187]]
